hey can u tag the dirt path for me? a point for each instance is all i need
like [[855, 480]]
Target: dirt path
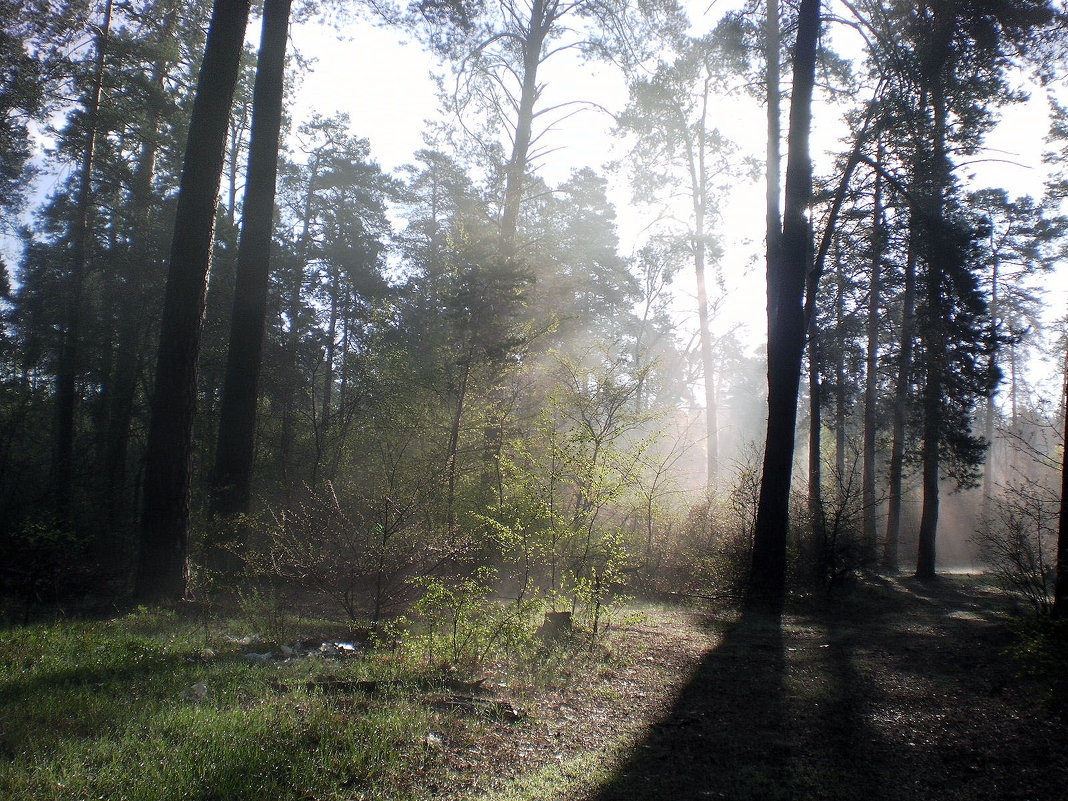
[[903, 692]]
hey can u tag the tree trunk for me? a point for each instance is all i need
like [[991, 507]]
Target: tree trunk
[[990, 412], [786, 331], [815, 443], [871, 369], [161, 573], [1060, 587], [132, 336], [772, 42], [839, 368], [67, 365], [516, 169], [900, 412], [934, 336], [292, 337], [707, 362], [231, 487]]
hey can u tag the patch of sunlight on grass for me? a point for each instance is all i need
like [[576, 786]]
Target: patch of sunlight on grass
[[568, 778]]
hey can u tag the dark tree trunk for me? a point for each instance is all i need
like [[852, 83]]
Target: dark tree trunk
[[540, 23], [131, 339], [1060, 587], [934, 336], [786, 331], [772, 42], [990, 411], [67, 364], [840, 411], [896, 468], [161, 573], [871, 369], [231, 488]]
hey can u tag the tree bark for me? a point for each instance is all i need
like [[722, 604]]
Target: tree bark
[[231, 488], [840, 411], [1060, 586], [772, 42], [67, 366], [541, 20], [900, 413], [161, 573], [871, 369], [132, 337], [700, 252], [934, 336], [786, 331]]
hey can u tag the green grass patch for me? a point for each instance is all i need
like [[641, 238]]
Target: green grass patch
[[142, 708]]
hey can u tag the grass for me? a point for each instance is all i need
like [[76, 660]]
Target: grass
[[140, 708], [156, 706]]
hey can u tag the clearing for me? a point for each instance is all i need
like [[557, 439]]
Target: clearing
[[902, 691]]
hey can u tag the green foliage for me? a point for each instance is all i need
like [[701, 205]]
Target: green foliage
[[465, 625]]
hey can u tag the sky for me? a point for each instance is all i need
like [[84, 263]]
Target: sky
[[383, 80]]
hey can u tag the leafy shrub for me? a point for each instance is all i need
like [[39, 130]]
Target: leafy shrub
[[463, 623], [1017, 540]]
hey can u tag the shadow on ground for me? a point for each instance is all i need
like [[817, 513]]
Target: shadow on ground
[[903, 692], [723, 737]]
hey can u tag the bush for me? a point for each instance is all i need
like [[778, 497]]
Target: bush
[[1017, 540], [357, 555], [42, 559], [465, 626]]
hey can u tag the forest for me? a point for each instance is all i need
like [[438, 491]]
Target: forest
[[349, 473]]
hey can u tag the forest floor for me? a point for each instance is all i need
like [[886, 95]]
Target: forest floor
[[895, 690], [901, 690]]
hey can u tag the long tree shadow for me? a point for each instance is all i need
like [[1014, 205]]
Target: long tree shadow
[[723, 737], [902, 692]]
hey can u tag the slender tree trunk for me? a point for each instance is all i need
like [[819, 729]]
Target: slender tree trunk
[[934, 346], [990, 412], [900, 412], [871, 367], [815, 442], [839, 367], [67, 365], [707, 362], [772, 43], [231, 487], [1060, 587], [131, 339], [786, 331], [161, 571], [516, 169], [454, 439]]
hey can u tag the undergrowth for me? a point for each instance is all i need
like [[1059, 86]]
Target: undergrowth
[[156, 706]]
